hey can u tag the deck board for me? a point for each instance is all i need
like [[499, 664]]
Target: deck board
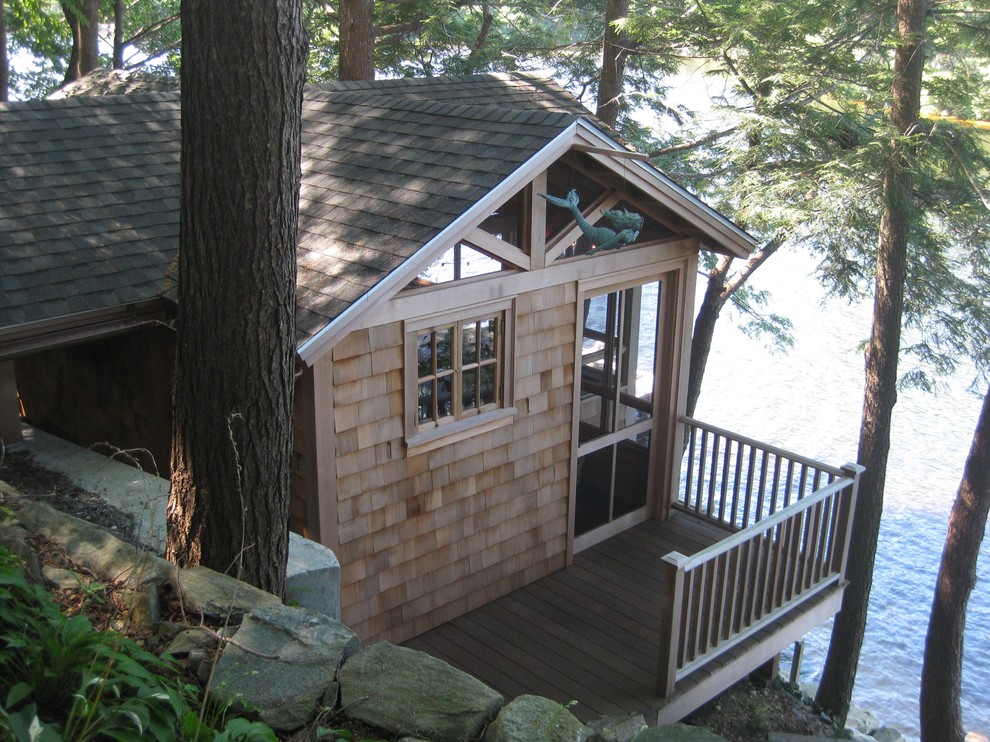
[[588, 633]]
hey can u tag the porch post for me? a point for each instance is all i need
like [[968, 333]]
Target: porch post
[[853, 471], [10, 411], [670, 622]]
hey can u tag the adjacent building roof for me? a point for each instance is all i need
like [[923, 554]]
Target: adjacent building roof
[[89, 186]]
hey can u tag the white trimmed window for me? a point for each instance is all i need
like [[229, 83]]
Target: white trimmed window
[[458, 373]]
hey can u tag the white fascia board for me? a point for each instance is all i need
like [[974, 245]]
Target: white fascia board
[[718, 227], [311, 350]]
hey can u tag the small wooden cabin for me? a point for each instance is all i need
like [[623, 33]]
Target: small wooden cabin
[[482, 394]]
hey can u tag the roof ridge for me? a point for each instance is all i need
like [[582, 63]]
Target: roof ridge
[[455, 109], [79, 101], [414, 82]]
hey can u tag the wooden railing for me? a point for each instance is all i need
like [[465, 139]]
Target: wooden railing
[[735, 481], [790, 519]]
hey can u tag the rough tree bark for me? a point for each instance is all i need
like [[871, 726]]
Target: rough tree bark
[[83, 17], [243, 64], [615, 49], [941, 675], [118, 34], [4, 59], [357, 40], [841, 663], [488, 18]]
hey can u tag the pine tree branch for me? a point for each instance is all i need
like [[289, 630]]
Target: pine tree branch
[[707, 139], [755, 260]]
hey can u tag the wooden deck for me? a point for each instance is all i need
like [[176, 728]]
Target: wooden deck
[[589, 634]]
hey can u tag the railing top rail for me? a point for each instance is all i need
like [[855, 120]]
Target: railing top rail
[[834, 470], [740, 537]]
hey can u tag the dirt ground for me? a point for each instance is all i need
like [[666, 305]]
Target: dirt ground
[[747, 712]]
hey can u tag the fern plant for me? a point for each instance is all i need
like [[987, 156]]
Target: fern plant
[[62, 680]]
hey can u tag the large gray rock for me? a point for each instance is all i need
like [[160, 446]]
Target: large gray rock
[[887, 734], [14, 539], [861, 720], [219, 596], [618, 728], [536, 719], [677, 733], [407, 692], [312, 577], [295, 666], [93, 546]]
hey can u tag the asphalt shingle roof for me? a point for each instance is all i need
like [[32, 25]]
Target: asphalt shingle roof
[[89, 186], [88, 203]]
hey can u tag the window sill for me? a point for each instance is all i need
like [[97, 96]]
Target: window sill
[[444, 435]]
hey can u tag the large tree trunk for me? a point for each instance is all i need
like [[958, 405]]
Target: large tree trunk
[[4, 59], [839, 672], [488, 18], [941, 675], [357, 40], [242, 83], [615, 49], [704, 329], [83, 17], [118, 34], [718, 292]]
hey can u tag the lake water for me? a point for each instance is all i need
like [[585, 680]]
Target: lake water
[[809, 400]]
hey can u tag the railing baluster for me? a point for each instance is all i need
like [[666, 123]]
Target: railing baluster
[[724, 489], [778, 551], [802, 481], [750, 472], [737, 485], [814, 539], [798, 553], [689, 476], [788, 483], [726, 603], [736, 594], [748, 577], [775, 486], [701, 470], [764, 472], [714, 476], [688, 652]]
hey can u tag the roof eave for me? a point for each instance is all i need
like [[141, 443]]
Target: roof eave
[[721, 233], [40, 335]]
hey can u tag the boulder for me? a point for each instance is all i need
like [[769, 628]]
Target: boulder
[[677, 733], [887, 734], [530, 718], [219, 596], [618, 728], [407, 692], [14, 539], [312, 577], [861, 720], [64, 579], [290, 666], [190, 640], [94, 547]]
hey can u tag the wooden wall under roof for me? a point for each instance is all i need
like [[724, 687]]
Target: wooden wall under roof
[[423, 538]]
